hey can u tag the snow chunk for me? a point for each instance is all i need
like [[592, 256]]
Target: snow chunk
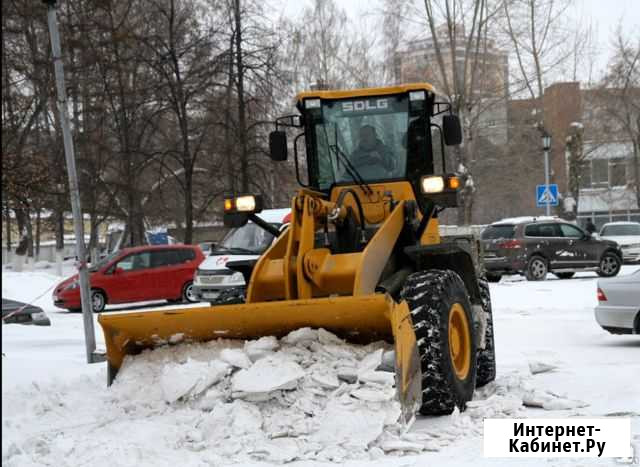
[[191, 378], [302, 336], [349, 425], [370, 362], [260, 348], [536, 367], [177, 380], [268, 374], [235, 357]]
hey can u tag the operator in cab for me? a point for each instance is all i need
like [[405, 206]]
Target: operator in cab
[[371, 151]]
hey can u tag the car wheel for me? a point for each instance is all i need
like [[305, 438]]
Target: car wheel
[[98, 301], [536, 269], [609, 265], [188, 294], [564, 275], [493, 277]]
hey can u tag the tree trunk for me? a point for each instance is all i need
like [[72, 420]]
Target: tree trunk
[[242, 124], [59, 215], [7, 213], [38, 225], [188, 208]]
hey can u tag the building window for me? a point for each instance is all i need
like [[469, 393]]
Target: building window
[[599, 173], [618, 172]]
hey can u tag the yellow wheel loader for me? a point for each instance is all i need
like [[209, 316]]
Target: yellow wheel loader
[[362, 256]]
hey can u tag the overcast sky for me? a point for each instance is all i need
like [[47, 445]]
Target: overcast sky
[[605, 15]]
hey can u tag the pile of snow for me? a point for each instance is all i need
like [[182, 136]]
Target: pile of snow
[[308, 396]]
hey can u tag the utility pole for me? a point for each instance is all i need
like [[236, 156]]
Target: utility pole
[[78, 226], [546, 141]]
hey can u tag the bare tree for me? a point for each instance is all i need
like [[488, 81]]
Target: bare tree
[[459, 31], [619, 96]]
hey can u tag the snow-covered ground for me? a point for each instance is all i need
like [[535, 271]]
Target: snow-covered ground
[[295, 400]]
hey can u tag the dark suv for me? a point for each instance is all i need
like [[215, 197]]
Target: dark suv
[[533, 247]]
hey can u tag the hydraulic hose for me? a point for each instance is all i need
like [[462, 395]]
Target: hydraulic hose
[[340, 200]]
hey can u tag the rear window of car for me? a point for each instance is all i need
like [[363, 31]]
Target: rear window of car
[[498, 231], [620, 230]]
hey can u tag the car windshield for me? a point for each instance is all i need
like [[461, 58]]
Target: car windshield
[[368, 135], [104, 261], [498, 231], [620, 230], [248, 239]]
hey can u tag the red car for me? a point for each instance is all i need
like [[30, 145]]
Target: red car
[[158, 272]]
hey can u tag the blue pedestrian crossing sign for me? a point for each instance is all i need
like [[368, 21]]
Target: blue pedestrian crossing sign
[[546, 195]]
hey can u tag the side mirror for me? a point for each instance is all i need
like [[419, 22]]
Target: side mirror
[[118, 271], [278, 146], [451, 129]]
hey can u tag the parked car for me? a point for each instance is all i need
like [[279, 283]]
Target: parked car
[[213, 281], [22, 313], [535, 246], [627, 236], [151, 272], [618, 309]]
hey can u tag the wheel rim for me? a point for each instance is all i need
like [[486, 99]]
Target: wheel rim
[[608, 265], [538, 268], [97, 301], [188, 293], [459, 341]]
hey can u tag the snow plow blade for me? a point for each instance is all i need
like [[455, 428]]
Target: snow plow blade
[[360, 320]]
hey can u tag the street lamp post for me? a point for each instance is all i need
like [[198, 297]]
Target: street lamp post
[[83, 273], [546, 144]]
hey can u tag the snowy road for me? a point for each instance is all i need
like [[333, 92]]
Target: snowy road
[[58, 411]]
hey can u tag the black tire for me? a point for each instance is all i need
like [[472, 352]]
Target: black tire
[[486, 361], [98, 301], [564, 275], [431, 296], [493, 277], [537, 268], [610, 264], [187, 293]]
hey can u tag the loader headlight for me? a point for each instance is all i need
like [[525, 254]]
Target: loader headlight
[[432, 184], [244, 204], [437, 184]]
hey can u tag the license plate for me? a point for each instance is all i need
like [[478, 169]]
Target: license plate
[[210, 295]]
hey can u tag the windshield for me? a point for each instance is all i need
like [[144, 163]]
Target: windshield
[[620, 230], [369, 133], [103, 262], [498, 231], [249, 239]]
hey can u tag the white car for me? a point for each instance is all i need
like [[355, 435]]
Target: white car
[[213, 282], [627, 236], [618, 309]]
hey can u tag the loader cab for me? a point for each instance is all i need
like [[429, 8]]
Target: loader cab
[[370, 135], [379, 138]]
